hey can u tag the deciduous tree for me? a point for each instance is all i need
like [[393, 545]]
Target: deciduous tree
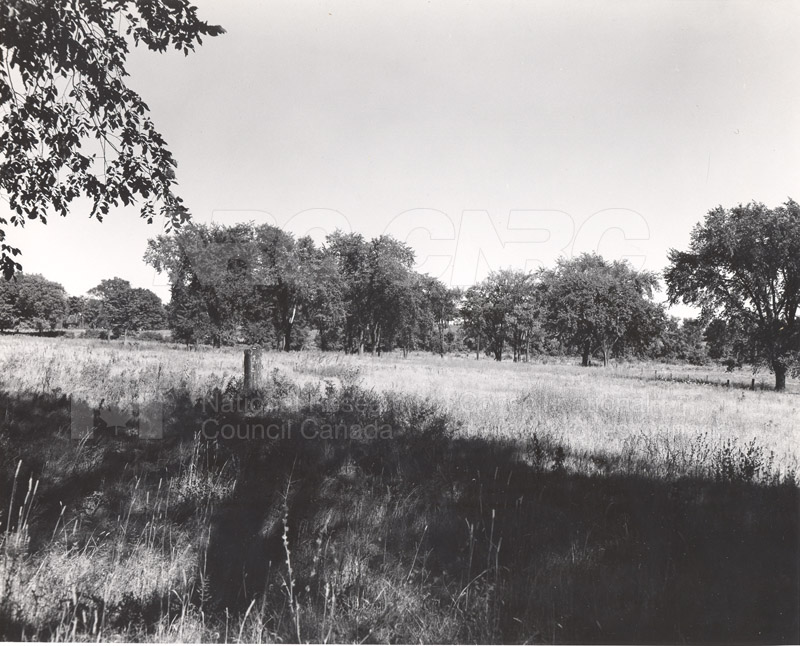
[[124, 309], [743, 266], [501, 309], [599, 306], [31, 300]]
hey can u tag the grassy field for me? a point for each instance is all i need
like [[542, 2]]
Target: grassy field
[[419, 499]]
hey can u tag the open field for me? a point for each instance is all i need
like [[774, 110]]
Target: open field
[[589, 410], [505, 502]]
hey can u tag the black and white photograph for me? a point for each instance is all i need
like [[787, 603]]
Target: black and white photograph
[[424, 322]]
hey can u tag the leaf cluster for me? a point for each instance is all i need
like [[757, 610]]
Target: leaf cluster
[[69, 124]]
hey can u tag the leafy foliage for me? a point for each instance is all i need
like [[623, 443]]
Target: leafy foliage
[[380, 291], [743, 266], [257, 284], [596, 305], [123, 308], [70, 126], [502, 309], [254, 283], [30, 300], [681, 341]]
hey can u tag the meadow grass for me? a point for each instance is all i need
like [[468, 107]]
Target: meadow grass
[[589, 410], [538, 502]]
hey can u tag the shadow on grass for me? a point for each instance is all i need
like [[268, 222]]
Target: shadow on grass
[[37, 443], [416, 534], [507, 550]]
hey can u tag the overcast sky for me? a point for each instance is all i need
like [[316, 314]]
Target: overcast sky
[[486, 135]]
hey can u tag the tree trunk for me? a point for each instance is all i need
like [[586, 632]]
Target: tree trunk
[[360, 342], [373, 333], [587, 351], [287, 330], [780, 369], [287, 338], [478, 349]]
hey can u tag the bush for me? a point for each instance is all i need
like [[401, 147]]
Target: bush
[[154, 335], [95, 334]]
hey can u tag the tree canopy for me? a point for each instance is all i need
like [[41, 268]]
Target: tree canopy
[[69, 124], [258, 284], [600, 306], [502, 309], [123, 308], [33, 301], [743, 266]]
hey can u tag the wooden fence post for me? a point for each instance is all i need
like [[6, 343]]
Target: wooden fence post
[[252, 369]]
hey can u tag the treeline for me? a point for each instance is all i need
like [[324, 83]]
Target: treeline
[[590, 307], [31, 301], [259, 285]]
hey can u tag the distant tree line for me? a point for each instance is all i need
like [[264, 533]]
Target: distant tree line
[[259, 285], [30, 301]]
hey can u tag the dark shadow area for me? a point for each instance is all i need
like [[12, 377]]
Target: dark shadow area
[[501, 540], [568, 558], [38, 445]]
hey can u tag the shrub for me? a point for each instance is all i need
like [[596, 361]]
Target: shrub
[[153, 335], [95, 334]]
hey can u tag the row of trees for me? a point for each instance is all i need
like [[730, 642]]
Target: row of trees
[[31, 301], [258, 284], [742, 269], [585, 304], [500, 314], [502, 308]]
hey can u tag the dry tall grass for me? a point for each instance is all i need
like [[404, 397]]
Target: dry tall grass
[[512, 502], [588, 410]]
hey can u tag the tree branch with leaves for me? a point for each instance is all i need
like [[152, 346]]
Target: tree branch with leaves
[[69, 125]]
